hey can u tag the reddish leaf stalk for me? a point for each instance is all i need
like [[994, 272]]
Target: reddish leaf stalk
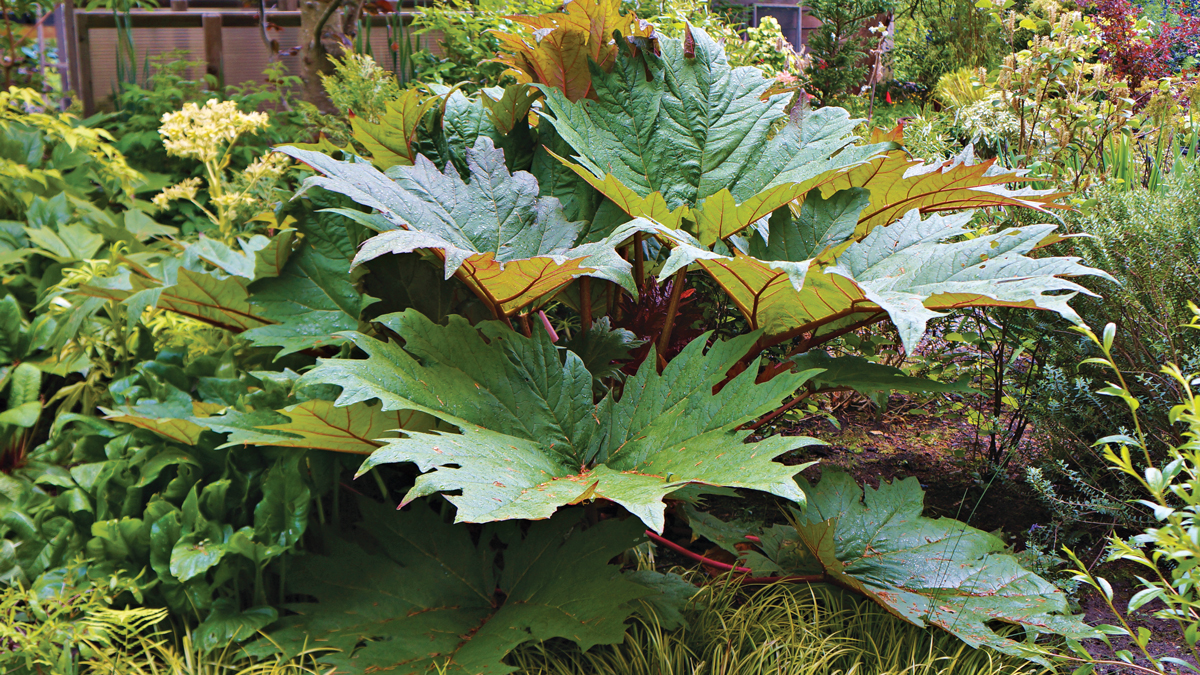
[[779, 411], [585, 304], [549, 329], [798, 578], [639, 262], [664, 340], [659, 539]]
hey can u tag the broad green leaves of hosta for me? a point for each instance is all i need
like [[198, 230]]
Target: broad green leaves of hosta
[[511, 247], [813, 273], [926, 571], [532, 440], [430, 597]]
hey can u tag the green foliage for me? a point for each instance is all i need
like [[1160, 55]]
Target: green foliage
[[1164, 553], [509, 246], [411, 289], [525, 451], [442, 601], [64, 621], [140, 109], [925, 571], [151, 490], [1146, 240], [779, 628], [467, 42], [43, 155], [838, 46], [359, 86], [936, 39]]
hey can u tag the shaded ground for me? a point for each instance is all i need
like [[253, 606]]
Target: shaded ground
[[944, 453]]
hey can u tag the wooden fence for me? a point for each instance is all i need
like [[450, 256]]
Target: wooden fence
[[227, 41]]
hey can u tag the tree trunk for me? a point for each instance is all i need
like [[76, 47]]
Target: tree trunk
[[327, 28]]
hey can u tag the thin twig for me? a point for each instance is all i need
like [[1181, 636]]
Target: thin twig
[[639, 259], [779, 411]]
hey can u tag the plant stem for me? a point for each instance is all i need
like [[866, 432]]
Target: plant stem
[[664, 340], [639, 261], [659, 539], [320, 27], [779, 411], [585, 304]]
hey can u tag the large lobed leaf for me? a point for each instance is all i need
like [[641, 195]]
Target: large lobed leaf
[[177, 286], [273, 295], [390, 141], [899, 184], [429, 597], [556, 49], [531, 438], [510, 246], [926, 571], [319, 425], [702, 135], [813, 275]]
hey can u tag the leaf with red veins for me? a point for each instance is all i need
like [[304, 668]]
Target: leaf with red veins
[[527, 421]]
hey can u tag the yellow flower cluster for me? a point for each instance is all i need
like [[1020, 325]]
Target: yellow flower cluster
[[201, 133], [184, 190]]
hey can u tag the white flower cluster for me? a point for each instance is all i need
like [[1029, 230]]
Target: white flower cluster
[[989, 121], [270, 167], [184, 190], [201, 133]]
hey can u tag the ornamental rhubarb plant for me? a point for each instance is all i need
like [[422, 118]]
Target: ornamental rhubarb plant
[[592, 288]]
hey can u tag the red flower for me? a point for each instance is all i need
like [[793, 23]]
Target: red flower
[[888, 98]]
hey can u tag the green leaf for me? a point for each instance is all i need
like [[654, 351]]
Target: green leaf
[[24, 416], [433, 598], [672, 596], [69, 244], [312, 300], [689, 128], [191, 559], [601, 345], [320, 425], [926, 571], [390, 142], [143, 227], [865, 377], [213, 298], [282, 515], [532, 440], [510, 246], [898, 183], [906, 271], [226, 625]]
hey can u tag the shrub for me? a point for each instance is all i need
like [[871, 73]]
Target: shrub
[[1166, 553], [1147, 241]]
